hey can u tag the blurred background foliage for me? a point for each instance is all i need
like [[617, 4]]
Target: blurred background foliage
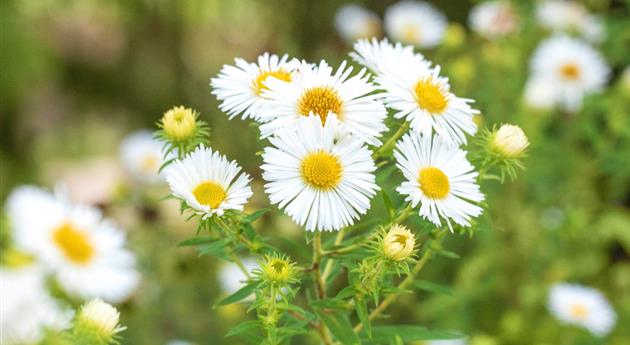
[[78, 76]]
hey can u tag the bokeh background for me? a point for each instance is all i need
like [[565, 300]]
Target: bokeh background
[[78, 76]]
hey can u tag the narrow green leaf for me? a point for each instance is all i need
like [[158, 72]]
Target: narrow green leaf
[[252, 217], [330, 303], [196, 240], [244, 327], [389, 206], [339, 326], [448, 254], [433, 287], [406, 333], [362, 313], [238, 295], [216, 248]]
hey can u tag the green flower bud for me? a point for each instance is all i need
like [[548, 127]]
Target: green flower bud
[[398, 244]]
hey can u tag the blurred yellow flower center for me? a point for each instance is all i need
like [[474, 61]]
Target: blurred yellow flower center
[[410, 33], [209, 194], [179, 123], [320, 100], [433, 183], [150, 163], [431, 96], [259, 83], [570, 71], [578, 311], [73, 243], [321, 169]]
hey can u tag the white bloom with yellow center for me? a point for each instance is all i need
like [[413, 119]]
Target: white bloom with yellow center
[[570, 16], [208, 182], [315, 90], [26, 308], [321, 175], [420, 95], [493, 19], [415, 22], [141, 155], [354, 22], [439, 178], [572, 66], [240, 88], [85, 252], [383, 55], [583, 306]]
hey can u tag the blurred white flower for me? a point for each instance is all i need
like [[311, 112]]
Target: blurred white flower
[[415, 22], [439, 178], [572, 66], [26, 308], [240, 88], [321, 175], [570, 16], [381, 55], [315, 90], [460, 341], [541, 93], [141, 155], [208, 182], [232, 278], [85, 252], [583, 306], [493, 19], [354, 22]]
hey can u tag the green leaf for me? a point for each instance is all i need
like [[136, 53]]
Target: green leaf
[[244, 327], [389, 206], [433, 287], [448, 254], [339, 326], [238, 295], [196, 240], [252, 217], [362, 313], [216, 248], [406, 333], [330, 303]]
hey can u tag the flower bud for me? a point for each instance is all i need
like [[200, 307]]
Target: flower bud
[[509, 141], [179, 123], [278, 269], [97, 323], [398, 243]]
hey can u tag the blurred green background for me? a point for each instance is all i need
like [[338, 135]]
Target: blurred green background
[[78, 76]]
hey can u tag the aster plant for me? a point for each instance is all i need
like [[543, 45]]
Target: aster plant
[[336, 141]]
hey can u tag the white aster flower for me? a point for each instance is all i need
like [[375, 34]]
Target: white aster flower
[[85, 252], [439, 178], [582, 306], [415, 22], [570, 16], [315, 90], [541, 93], [141, 155], [493, 19], [418, 93], [26, 308], [354, 22], [232, 278], [381, 55], [240, 88], [320, 174], [208, 182], [572, 66]]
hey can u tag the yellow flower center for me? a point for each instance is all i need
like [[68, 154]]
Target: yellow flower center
[[209, 194], [431, 96], [321, 169], [433, 183], [320, 100], [150, 163], [410, 33], [578, 311], [259, 83], [570, 71], [73, 243]]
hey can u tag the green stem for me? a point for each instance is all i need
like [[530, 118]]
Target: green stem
[[320, 286], [329, 264], [392, 140]]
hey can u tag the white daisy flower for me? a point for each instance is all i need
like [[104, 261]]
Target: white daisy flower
[[570, 16], [354, 22], [415, 22], [439, 178], [418, 93], [85, 252], [493, 19], [315, 90], [240, 88], [232, 278], [582, 306], [27, 310], [381, 55], [321, 175], [208, 182], [141, 155], [573, 66], [540, 93]]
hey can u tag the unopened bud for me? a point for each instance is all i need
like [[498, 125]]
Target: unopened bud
[[179, 123], [510, 141], [398, 243]]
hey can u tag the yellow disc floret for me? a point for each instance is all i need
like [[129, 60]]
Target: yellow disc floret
[[433, 183], [259, 83], [570, 71], [431, 96], [578, 311], [321, 170], [321, 101], [209, 194], [179, 123], [73, 243]]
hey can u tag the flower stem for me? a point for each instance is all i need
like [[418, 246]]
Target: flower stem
[[320, 285], [392, 140]]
